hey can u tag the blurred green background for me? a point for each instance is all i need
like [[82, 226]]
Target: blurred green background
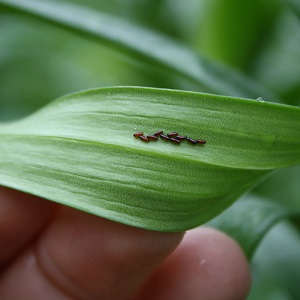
[[40, 62]]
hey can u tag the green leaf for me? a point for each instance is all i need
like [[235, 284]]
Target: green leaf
[[295, 6], [80, 151], [239, 46], [261, 227], [276, 264], [145, 45], [249, 220]]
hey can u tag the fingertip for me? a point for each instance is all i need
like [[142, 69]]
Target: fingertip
[[229, 273], [87, 257], [22, 217], [207, 265], [103, 258]]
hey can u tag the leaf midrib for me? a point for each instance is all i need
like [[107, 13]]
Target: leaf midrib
[[131, 149]]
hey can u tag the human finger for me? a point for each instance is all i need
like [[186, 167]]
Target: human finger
[[81, 256], [22, 217], [208, 265]]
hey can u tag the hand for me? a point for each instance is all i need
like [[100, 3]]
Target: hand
[[49, 251]]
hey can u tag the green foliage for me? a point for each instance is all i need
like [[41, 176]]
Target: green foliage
[[295, 6], [145, 45], [84, 143], [234, 44], [79, 150], [250, 219]]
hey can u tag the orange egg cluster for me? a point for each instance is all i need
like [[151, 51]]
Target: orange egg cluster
[[173, 137]]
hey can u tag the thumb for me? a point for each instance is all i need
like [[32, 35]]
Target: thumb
[[82, 256]]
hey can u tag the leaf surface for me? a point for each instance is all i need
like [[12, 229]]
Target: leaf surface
[[80, 151]]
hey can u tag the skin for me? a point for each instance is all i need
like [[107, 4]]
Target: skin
[[49, 251]]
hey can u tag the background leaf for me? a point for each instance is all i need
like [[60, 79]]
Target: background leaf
[[295, 6], [220, 37], [147, 46], [250, 219], [275, 65], [80, 151], [276, 265], [270, 242]]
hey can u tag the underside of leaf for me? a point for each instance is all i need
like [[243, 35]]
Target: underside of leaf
[[80, 151]]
